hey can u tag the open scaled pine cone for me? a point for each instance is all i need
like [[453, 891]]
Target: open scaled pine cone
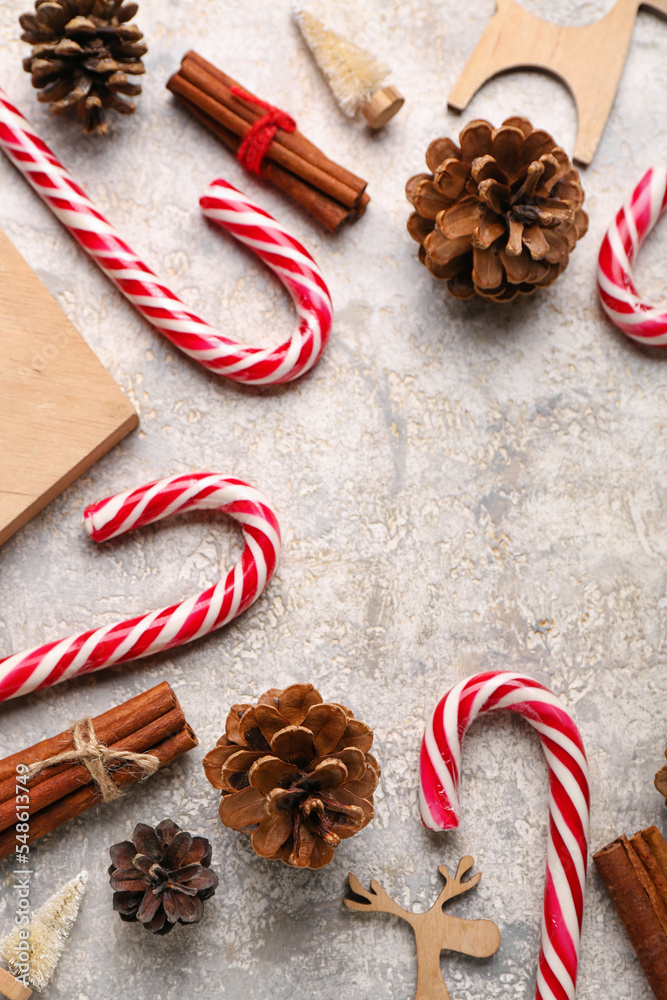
[[296, 774], [161, 877], [498, 215], [661, 780], [82, 54]]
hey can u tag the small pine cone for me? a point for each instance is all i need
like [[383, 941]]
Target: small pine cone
[[83, 52], [295, 774], [161, 877], [499, 214]]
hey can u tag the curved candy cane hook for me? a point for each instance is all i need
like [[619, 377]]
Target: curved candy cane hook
[[222, 203], [616, 284], [569, 803], [165, 628]]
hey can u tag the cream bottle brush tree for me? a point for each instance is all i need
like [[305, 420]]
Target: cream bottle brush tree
[[354, 74], [48, 931]]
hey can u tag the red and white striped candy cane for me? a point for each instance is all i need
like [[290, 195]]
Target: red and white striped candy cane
[[162, 308], [165, 628], [616, 284], [569, 803]]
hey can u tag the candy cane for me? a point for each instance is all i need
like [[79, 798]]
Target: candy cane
[[616, 284], [165, 628], [226, 206], [569, 803]]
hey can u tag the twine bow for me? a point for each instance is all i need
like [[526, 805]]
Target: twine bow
[[256, 144], [96, 758]]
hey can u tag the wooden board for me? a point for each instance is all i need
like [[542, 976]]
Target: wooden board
[[588, 60], [60, 410]]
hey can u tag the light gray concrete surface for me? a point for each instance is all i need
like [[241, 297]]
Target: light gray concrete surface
[[460, 487]]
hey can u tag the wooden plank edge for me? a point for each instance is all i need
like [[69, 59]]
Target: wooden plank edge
[[116, 436]]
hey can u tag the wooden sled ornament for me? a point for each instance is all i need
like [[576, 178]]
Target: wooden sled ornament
[[588, 60], [434, 930]]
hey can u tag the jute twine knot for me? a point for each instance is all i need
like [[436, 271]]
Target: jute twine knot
[[96, 758]]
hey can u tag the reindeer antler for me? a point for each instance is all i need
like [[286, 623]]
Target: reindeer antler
[[454, 886], [377, 900], [435, 931]]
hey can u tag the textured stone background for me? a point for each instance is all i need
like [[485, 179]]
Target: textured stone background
[[460, 487]]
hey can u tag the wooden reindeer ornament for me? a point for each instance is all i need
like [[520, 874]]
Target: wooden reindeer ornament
[[434, 930], [588, 60]]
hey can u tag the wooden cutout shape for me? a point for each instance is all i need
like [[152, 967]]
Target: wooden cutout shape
[[60, 410], [434, 930], [588, 60]]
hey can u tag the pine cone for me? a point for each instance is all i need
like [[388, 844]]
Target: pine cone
[[498, 215], [161, 877], [82, 53], [661, 780], [295, 774]]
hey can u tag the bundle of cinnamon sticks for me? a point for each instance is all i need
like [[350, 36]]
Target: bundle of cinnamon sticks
[[152, 723], [634, 872], [328, 191]]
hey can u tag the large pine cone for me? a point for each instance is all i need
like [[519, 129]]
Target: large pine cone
[[661, 780], [82, 53], [161, 877], [296, 774], [498, 215]]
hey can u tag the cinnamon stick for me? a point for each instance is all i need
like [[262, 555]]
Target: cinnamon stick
[[219, 85], [657, 876], [326, 210], [328, 191], [656, 842], [111, 727], [638, 904], [180, 84], [69, 777], [72, 805]]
